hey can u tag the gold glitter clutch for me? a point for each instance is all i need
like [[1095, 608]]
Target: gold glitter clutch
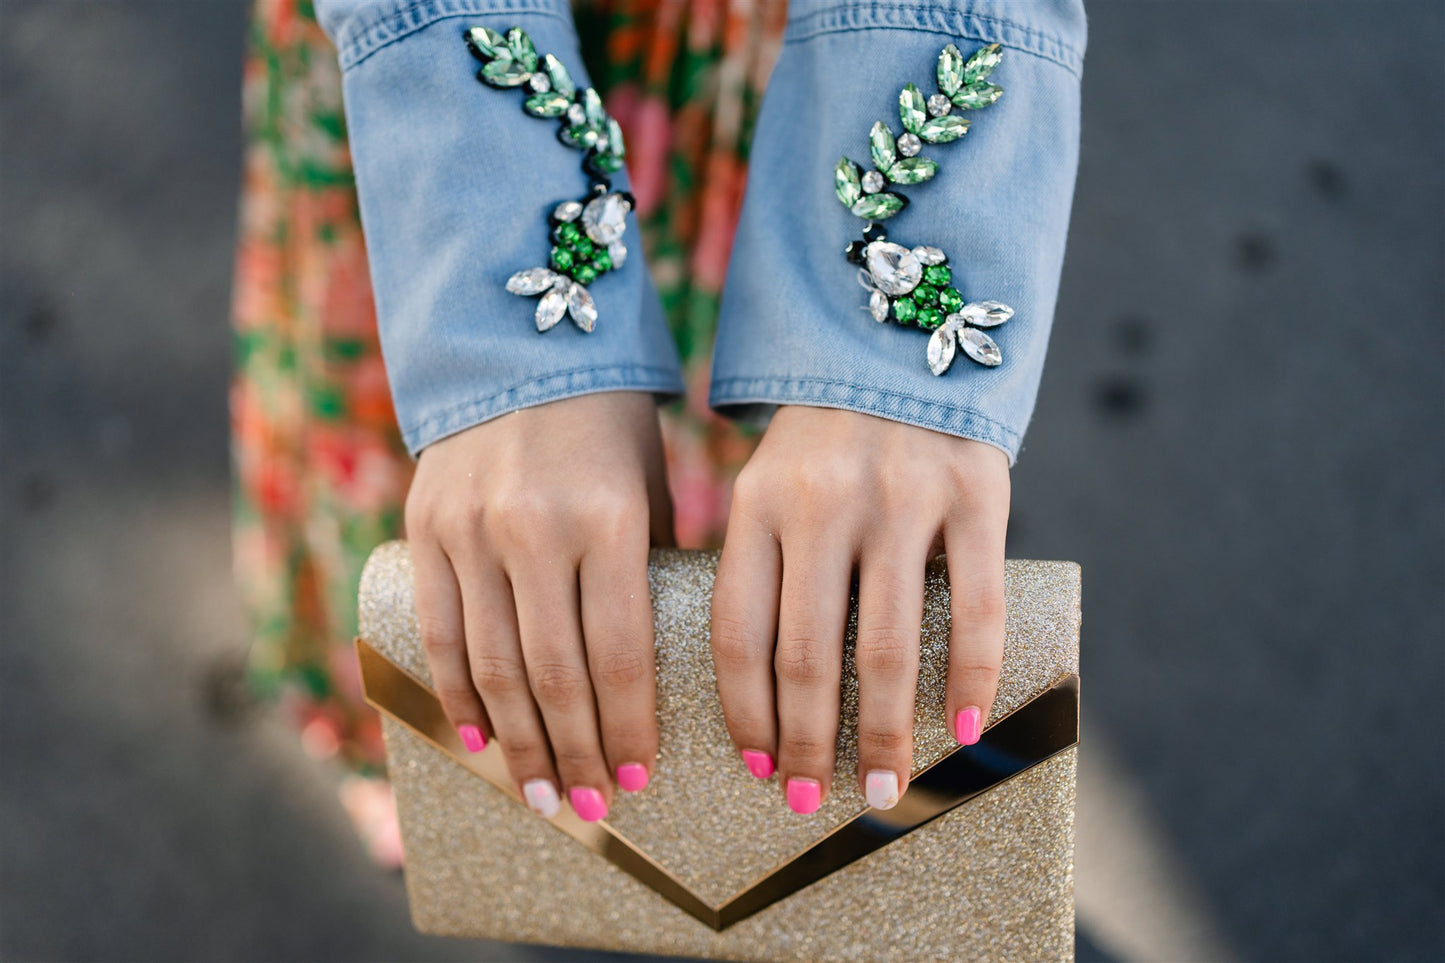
[[975, 862]]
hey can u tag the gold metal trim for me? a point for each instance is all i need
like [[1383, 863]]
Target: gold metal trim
[[1034, 732]]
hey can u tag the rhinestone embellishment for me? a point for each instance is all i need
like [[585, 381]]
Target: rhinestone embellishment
[[915, 286]]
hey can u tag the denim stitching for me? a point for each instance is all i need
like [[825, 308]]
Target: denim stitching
[[946, 20], [357, 44], [536, 390]]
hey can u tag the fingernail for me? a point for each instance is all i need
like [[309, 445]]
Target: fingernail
[[760, 764], [804, 795], [967, 726], [588, 803], [472, 738], [541, 797], [632, 776], [880, 788]]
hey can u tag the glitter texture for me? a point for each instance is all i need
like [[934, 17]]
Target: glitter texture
[[992, 879]]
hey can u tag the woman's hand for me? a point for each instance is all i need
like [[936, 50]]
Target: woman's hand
[[825, 490], [530, 537]]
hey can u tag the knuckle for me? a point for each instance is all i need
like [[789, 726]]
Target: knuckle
[[749, 488], [575, 758], [558, 685], [977, 671], [978, 605], [621, 668], [802, 661], [498, 676], [613, 512], [455, 695], [878, 741], [518, 514], [732, 643], [439, 638], [805, 747], [523, 753], [885, 652]]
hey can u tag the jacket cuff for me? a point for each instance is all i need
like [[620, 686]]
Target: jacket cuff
[[455, 182], [794, 326]]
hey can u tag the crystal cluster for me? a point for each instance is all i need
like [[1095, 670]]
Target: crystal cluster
[[587, 242]]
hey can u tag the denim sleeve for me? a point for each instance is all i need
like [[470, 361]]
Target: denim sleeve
[[455, 182], [794, 327]]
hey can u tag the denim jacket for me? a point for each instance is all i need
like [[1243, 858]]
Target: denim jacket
[[455, 183]]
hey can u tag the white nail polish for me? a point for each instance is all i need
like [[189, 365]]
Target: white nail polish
[[541, 797], [880, 788]]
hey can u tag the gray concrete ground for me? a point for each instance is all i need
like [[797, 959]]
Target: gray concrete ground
[[1239, 437]]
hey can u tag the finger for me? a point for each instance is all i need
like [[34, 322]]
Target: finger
[[744, 630], [551, 634], [443, 640], [975, 549], [500, 676], [890, 617], [809, 664], [617, 625]]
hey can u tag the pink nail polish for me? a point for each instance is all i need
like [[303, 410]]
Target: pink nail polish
[[472, 738], [541, 797], [632, 776], [588, 803], [804, 795], [967, 726], [760, 764]]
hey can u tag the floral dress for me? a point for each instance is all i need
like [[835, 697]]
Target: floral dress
[[320, 470]]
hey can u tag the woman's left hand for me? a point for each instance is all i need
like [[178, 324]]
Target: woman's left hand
[[828, 489]]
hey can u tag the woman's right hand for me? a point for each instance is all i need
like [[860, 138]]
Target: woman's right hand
[[530, 536]]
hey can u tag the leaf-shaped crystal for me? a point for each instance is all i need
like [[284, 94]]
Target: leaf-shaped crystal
[[879, 207], [605, 218], [866, 280], [941, 130], [532, 281], [567, 211], [893, 267], [617, 253], [546, 104], [503, 73], [520, 46], [551, 308], [986, 314], [592, 106], [878, 306], [941, 348], [615, 147], [981, 64], [980, 347], [912, 170], [912, 108], [847, 183], [977, 95], [608, 163], [581, 306], [881, 146], [557, 73], [580, 135], [928, 254], [487, 43], [950, 70]]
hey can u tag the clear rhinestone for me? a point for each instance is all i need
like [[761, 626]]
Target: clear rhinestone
[[531, 281], [938, 105], [567, 211], [605, 218], [873, 182], [601, 145], [941, 349], [576, 114], [551, 308], [929, 255], [617, 253], [539, 83], [582, 307], [878, 305], [980, 347], [894, 268], [909, 144], [986, 314]]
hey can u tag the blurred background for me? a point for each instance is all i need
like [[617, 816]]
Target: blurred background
[[1239, 437]]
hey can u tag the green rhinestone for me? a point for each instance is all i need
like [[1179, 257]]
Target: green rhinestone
[[924, 294], [561, 258], [950, 300], [904, 310], [929, 318], [585, 273], [582, 248], [937, 275], [569, 232], [602, 262]]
